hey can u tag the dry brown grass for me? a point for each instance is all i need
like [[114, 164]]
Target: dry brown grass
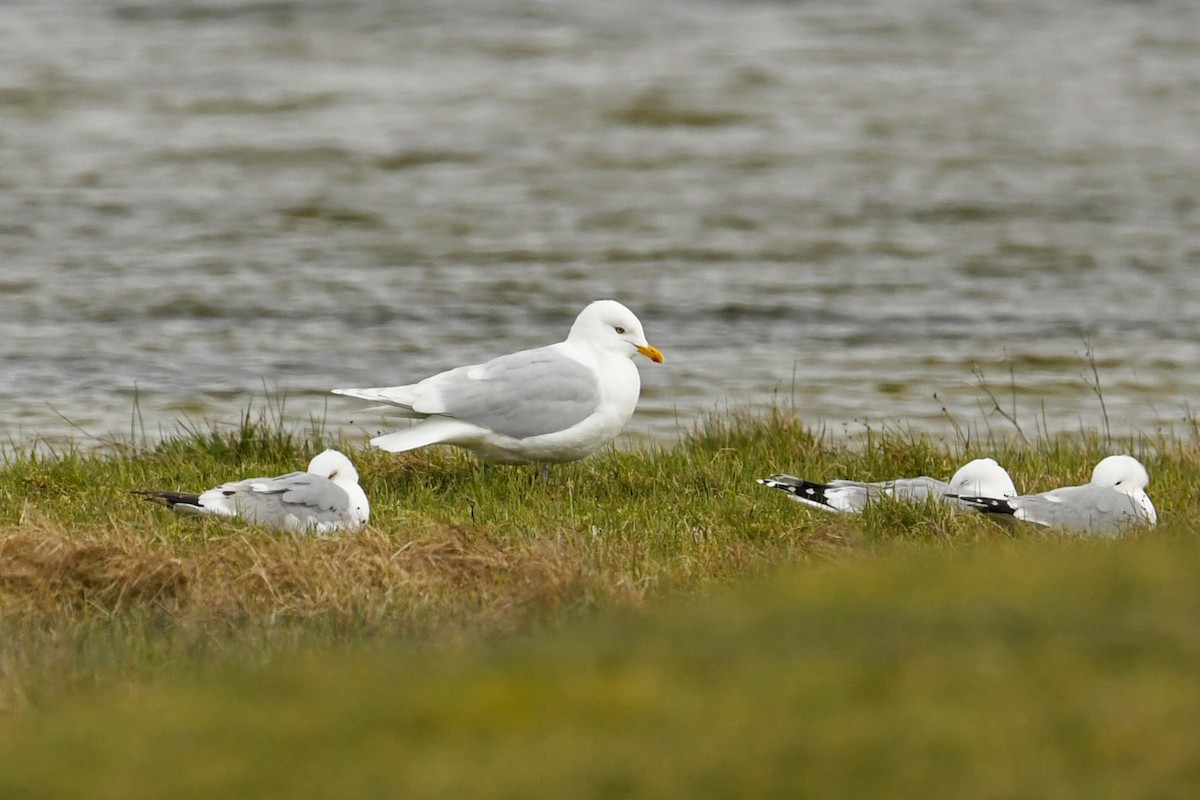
[[45, 572], [435, 579]]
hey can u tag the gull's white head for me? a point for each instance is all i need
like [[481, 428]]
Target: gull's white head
[[608, 325], [982, 477], [1127, 474], [1123, 473], [334, 465]]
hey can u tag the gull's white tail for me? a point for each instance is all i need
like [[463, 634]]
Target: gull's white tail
[[434, 430]]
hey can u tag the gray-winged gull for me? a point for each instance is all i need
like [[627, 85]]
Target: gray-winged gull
[[324, 499], [983, 476], [1113, 501], [550, 404]]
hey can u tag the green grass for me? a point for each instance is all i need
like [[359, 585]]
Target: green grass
[[647, 623]]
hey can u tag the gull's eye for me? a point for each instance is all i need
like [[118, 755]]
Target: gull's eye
[[619, 329]]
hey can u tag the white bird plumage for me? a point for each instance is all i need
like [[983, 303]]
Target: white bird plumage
[[1114, 500], [549, 404], [323, 499], [981, 476]]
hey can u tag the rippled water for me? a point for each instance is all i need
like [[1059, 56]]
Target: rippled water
[[848, 205]]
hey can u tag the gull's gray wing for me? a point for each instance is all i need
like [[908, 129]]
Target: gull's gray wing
[[916, 490], [1094, 509], [911, 490], [295, 501], [525, 394], [854, 496], [843, 496]]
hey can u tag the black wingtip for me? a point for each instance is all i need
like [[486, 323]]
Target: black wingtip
[[988, 505], [169, 499], [806, 491]]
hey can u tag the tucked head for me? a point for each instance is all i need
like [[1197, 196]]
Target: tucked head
[[335, 466], [1123, 473], [608, 325], [982, 477]]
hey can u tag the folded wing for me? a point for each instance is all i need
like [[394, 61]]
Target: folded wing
[[495, 396]]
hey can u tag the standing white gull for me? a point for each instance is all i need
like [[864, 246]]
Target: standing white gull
[[554, 403], [324, 499], [1112, 502], [983, 476]]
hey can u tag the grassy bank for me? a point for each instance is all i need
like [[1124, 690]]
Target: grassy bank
[[646, 623]]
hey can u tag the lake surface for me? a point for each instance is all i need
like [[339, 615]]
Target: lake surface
[[852, 207]]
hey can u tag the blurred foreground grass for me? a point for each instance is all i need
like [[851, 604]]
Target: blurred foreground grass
[[647, 623]]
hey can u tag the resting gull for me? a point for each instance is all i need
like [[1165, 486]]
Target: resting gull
[[324, 499], [550, 404], [983, 476], [1113, 501]]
